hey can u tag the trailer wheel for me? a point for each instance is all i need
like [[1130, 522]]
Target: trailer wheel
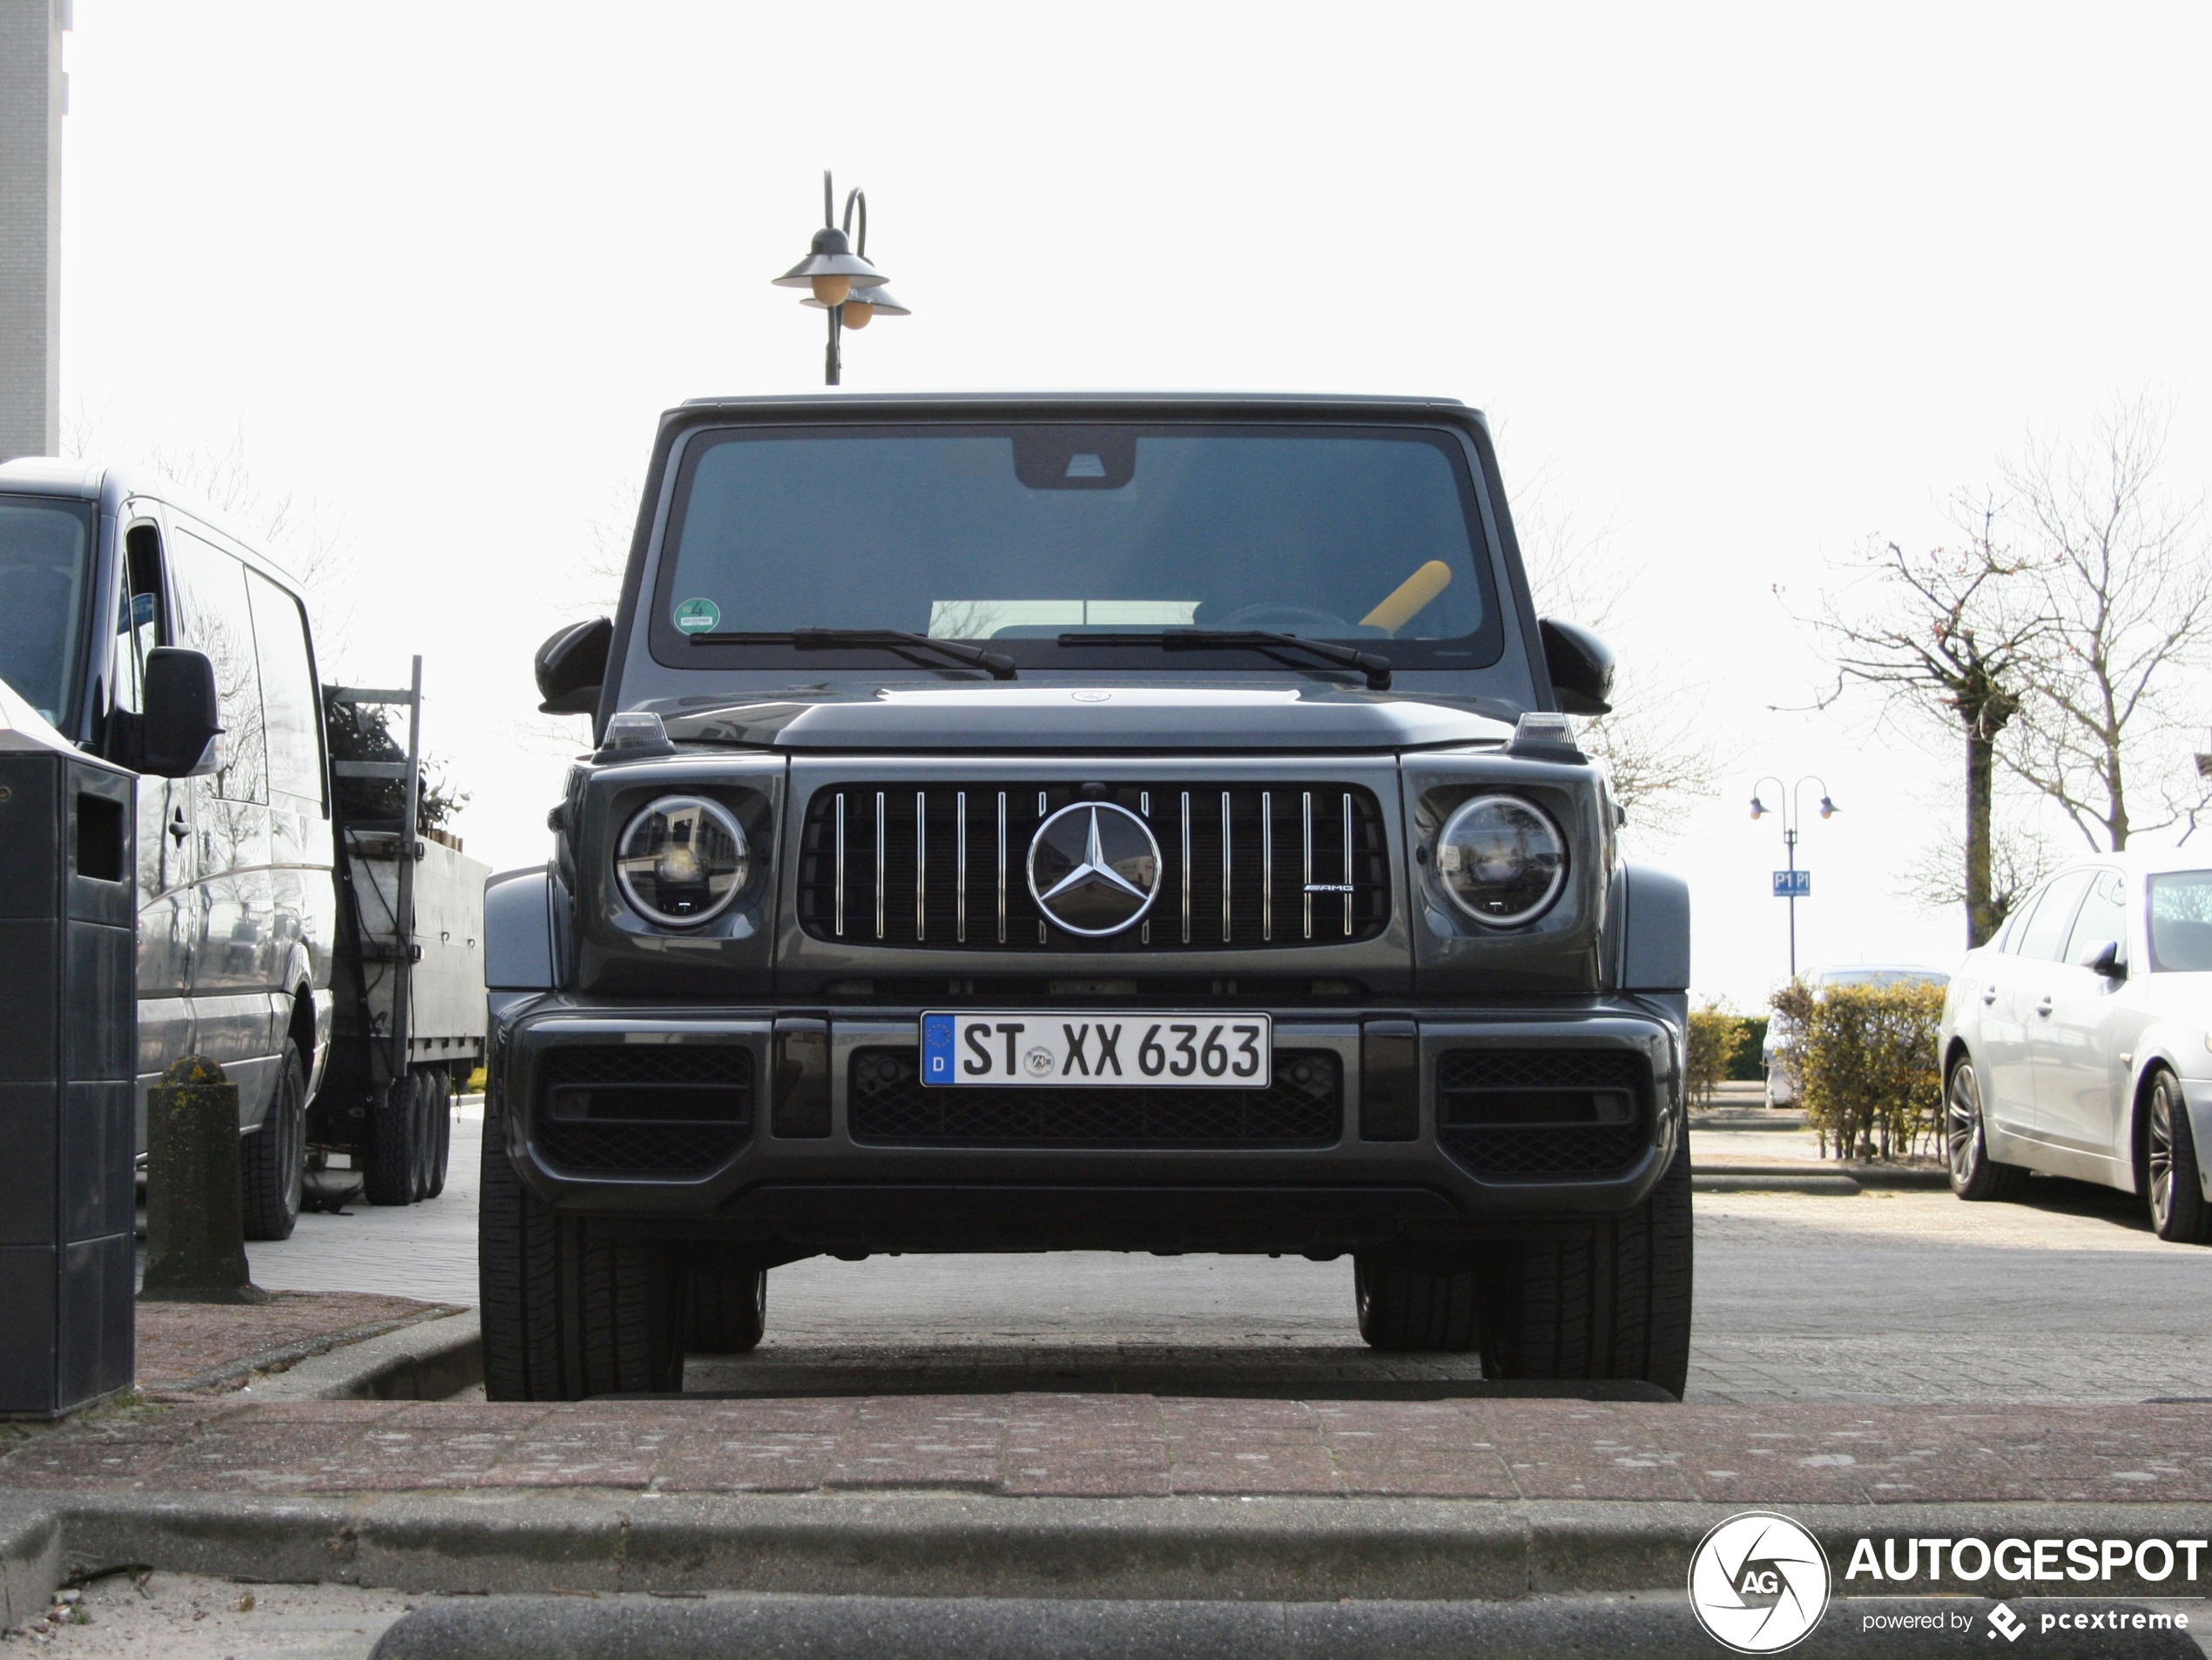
[[1608, 1297], [441, 1134], [567, 1314], [272, 1161], [429, 1107], [395, 1144]]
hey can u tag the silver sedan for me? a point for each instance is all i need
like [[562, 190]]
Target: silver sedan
[[2079, 1042]]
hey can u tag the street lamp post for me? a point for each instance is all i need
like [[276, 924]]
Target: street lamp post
[[839, 278], [1792, 817]]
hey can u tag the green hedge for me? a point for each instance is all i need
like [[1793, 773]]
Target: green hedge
[[1745, 1066], [1867, 1066]]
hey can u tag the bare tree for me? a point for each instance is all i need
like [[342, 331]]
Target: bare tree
[[1658, 744], [2122, 574], [2018, 859], [1945, 633]]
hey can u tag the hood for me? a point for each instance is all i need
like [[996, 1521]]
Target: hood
[[1090, 718]]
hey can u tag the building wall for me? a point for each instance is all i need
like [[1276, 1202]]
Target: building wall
[[31, 225]]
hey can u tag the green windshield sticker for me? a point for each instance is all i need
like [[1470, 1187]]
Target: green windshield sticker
[[697, 616]]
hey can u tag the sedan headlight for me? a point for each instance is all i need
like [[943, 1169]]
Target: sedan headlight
[[1503, 860], [682, 859]]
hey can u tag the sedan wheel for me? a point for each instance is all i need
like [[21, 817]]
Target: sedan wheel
[[2178, 1210], [1974, 1174]]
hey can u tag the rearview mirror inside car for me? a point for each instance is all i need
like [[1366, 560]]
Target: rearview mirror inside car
[[572, 666], [183, 730], [1580, 666]]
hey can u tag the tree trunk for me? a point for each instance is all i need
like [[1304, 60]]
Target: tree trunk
[[1982, 915]]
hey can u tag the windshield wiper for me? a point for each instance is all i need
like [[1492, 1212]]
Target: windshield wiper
[[889, 639], [1376, 669]]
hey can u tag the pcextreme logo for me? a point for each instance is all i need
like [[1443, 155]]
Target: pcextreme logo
[[1758, 1583]]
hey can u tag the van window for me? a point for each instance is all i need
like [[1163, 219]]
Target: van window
[[46, 589], [137, 621], [288, 697], [219, 620], [2044, 935]]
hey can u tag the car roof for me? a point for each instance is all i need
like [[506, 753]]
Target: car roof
[[2144, 860], [1121, 405]]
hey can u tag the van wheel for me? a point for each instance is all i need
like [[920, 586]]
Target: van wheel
[[1974, 1175], [1608, 1297], [567, 1314], [2178, 1210], [273, 1161], [725, 1309], [1408, 1310], [394, 1143]]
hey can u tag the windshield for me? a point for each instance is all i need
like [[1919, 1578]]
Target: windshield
[[2181, 922], [45, 574], [1022, 535]]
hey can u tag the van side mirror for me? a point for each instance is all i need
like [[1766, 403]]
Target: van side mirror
[[183, 721], [571, 667], [2102, 956], [1580, 666]]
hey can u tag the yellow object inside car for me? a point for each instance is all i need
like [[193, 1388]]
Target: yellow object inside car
[[1407, 599]]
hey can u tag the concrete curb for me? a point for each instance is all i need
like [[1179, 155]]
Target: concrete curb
[[426, 1359], [282, 1359], [1739, 1181], [1658, 1627], [942, 1544]]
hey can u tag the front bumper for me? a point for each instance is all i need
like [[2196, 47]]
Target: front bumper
[[850, 1185]]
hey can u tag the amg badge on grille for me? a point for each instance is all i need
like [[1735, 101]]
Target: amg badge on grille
[[1094, 868]]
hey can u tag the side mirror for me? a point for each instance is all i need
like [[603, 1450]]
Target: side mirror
[[183, 722], [2102, 956], [571, 667], [1580, 666]]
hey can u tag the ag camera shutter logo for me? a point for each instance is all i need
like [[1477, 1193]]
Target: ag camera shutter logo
[[1758, 1583]]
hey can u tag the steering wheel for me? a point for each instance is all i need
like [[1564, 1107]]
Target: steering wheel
[[1272, 614]]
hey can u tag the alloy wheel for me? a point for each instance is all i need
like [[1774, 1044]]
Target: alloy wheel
[[2161, 1154], [1962, 1125]]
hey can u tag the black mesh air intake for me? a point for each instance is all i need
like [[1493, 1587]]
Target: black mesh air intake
[[1537, 1113], [643, 1109], [1303, 1107]]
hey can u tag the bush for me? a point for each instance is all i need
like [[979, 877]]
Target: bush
[[1866, 1064], [1748, 1065], [1716, 1032]]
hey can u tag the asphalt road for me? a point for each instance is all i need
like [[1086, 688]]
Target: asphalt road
[[1884, 1298]]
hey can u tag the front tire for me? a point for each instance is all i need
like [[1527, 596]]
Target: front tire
[[1407, 1310], [273, 1161], [2178, 1210], [567, 1314], [724, 1309], [1974, 1175], [1607, 1298]]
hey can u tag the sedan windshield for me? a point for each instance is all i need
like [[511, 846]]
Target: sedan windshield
[[2181, 922], [45, 570], [1027, 536]]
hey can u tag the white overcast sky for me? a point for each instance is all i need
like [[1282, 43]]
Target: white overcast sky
[[1749, 285]]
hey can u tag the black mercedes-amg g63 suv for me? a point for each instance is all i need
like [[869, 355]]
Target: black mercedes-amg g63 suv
[[1131, 823]]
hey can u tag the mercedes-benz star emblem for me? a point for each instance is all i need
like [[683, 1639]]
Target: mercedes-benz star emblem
[[1094, 868]]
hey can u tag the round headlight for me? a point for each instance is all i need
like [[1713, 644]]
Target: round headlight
[[682, 859], [1503, 860]]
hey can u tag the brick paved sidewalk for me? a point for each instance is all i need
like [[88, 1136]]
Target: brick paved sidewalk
[[217, 1345], [1140, 1445]]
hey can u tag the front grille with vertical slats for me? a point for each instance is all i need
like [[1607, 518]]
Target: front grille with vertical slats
[[1535, 1113], [944, 867], [1303, 1107]]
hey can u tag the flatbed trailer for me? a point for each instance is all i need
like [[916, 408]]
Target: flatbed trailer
[[408, 978]]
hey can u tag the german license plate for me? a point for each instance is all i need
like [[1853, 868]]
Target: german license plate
[[1113, 1051]]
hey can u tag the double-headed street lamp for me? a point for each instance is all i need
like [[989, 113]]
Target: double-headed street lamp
[[1792, 816], [839, 278]]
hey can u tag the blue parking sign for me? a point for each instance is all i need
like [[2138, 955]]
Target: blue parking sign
[[1793, 884]]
